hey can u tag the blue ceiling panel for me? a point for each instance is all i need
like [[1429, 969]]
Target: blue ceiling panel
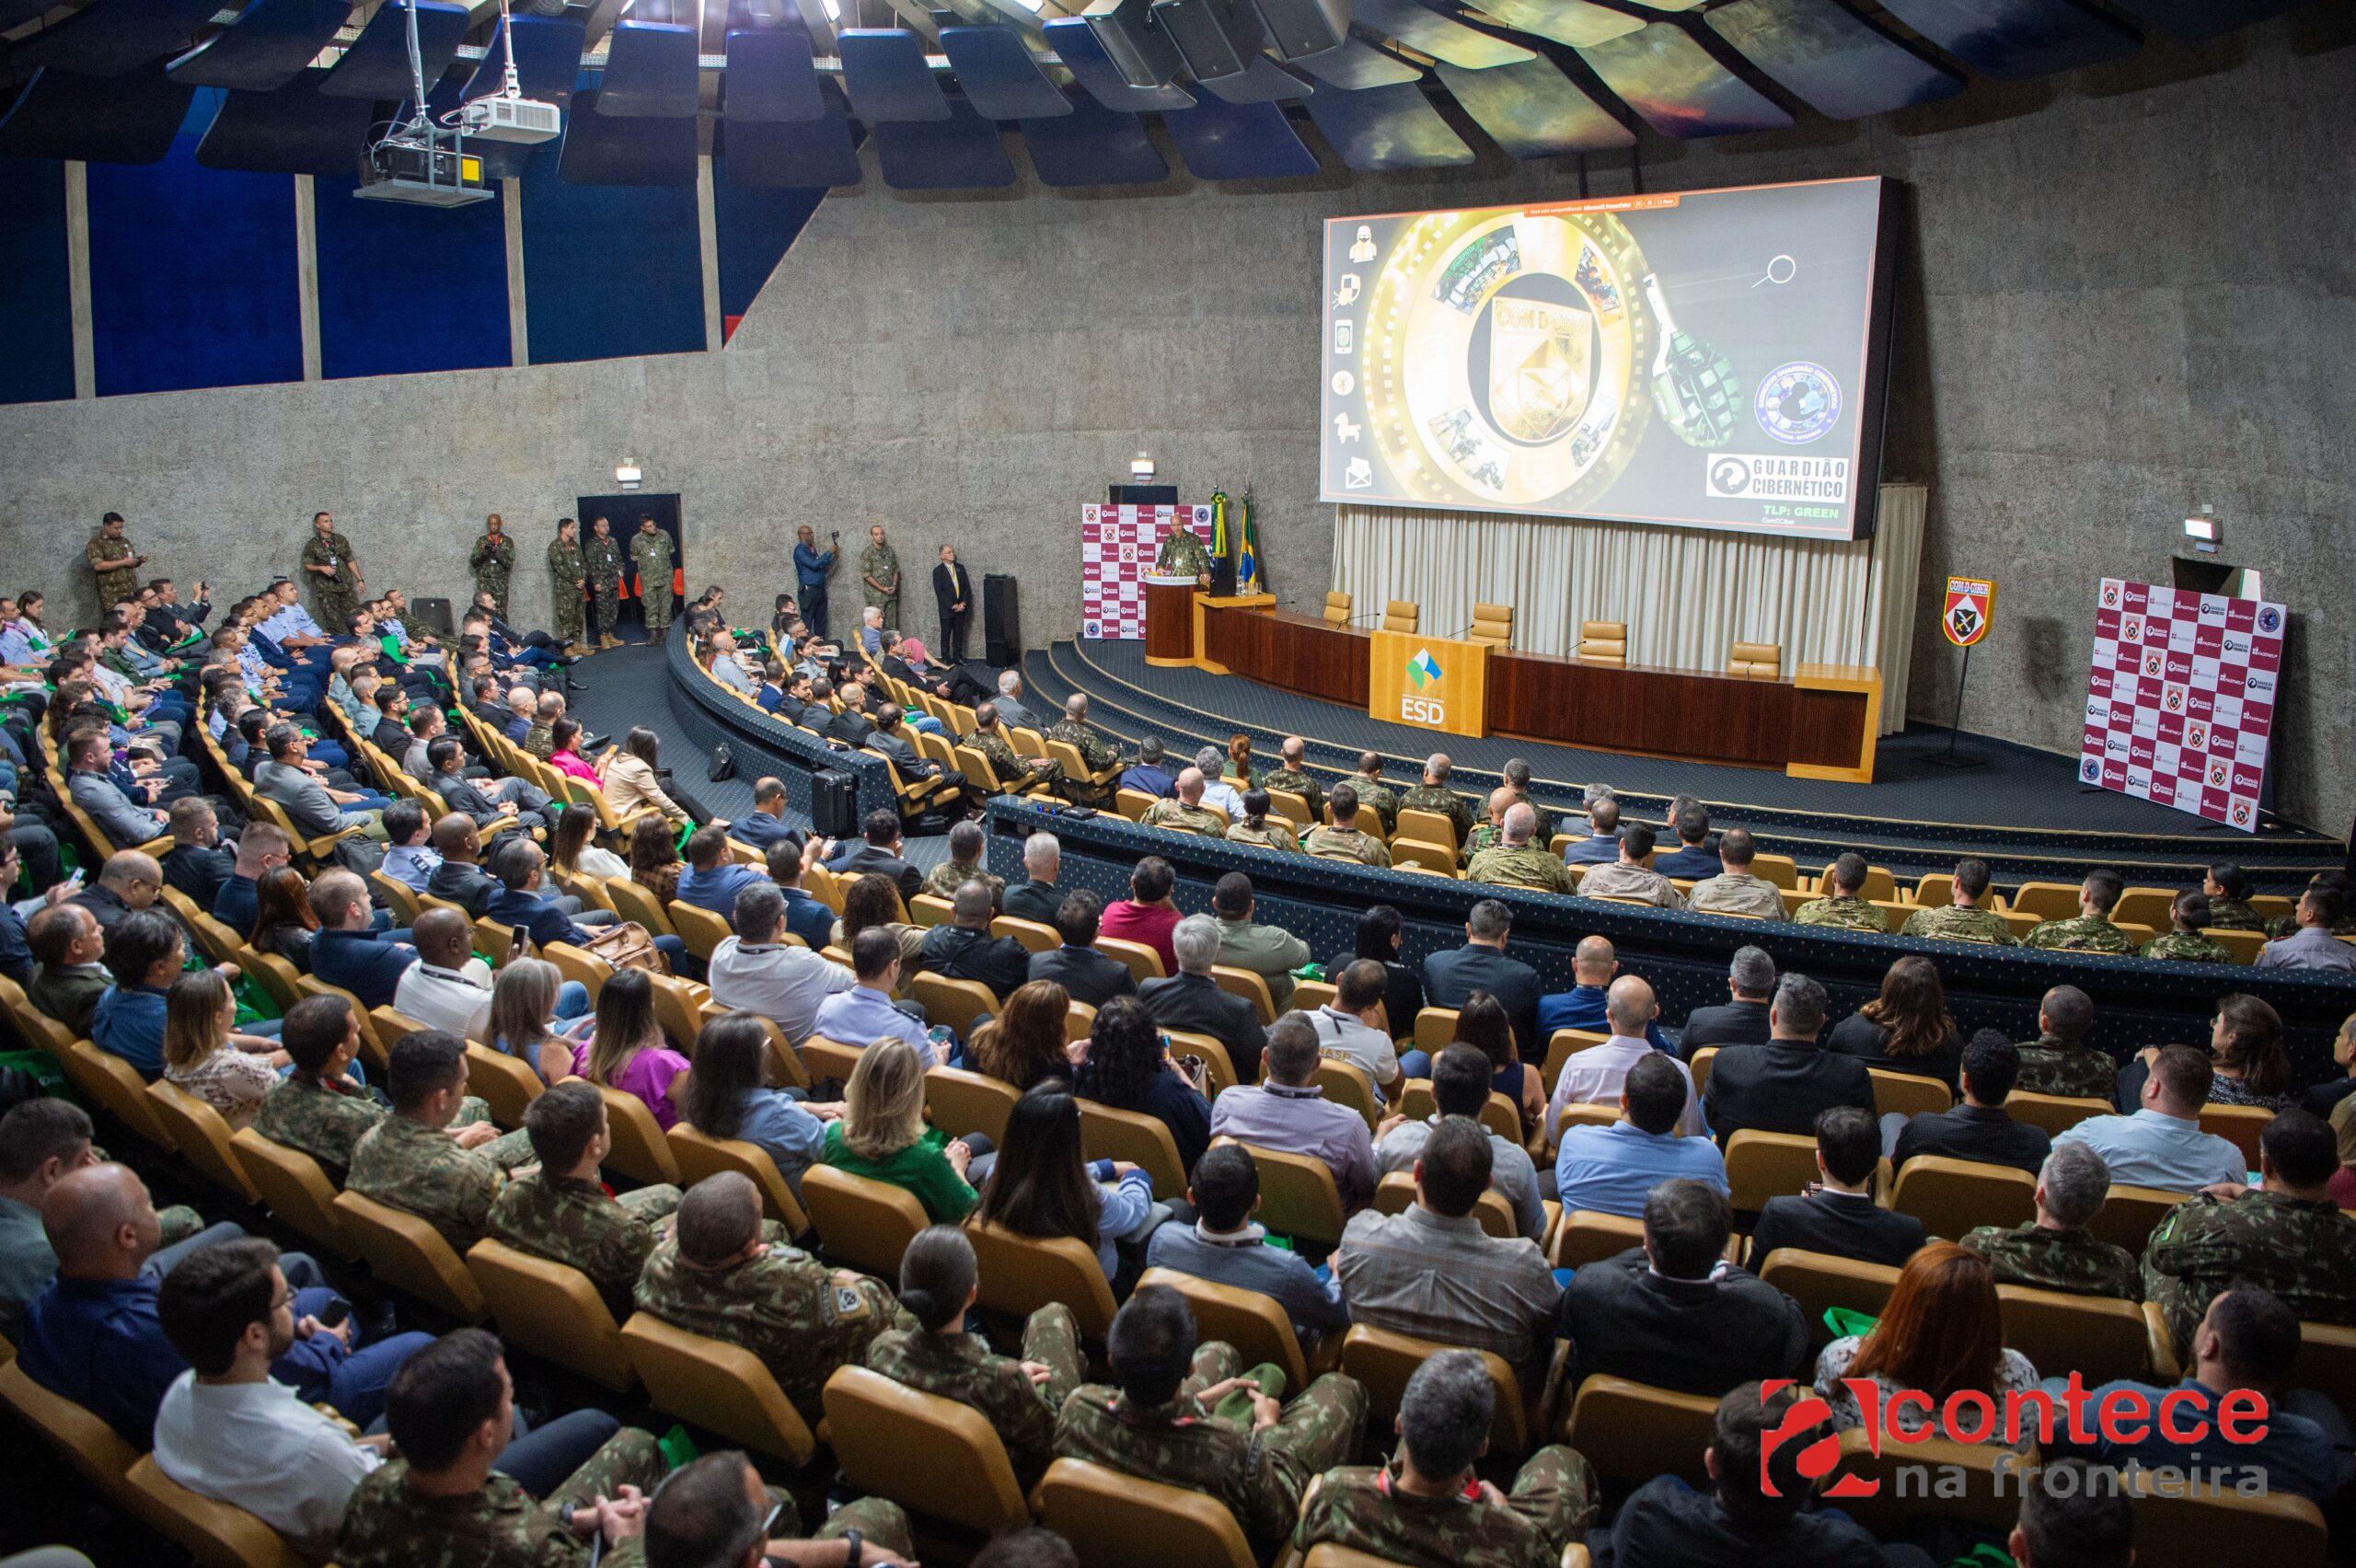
[[1842, 66], [548, 59], [963, 151], [1395, 127], [16, 13], [1578, 23], [115, 37], [1093, 69], [1358, 63], [604, 149], [1092, 145], [2014, 40], [272, 40], [127, 120], [291, 130], [1001, 78], [1532, 111], [1238, 141], [377, 65], [651, 73], [1679, 87], [885, 73], [1432, 34], [771, 154], [2204, 19], [1263, 81], [771, 76]]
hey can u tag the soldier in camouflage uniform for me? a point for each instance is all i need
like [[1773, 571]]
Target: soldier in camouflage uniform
[[1373, 793], [115, 567], [1343, 840], [964, 864], [1186, 814], [1183, 555], [602, 558], [2184, 942], [1489, 832], [1966, 918], [2287, 1236], [336, 583], [2228, 889], [389, 1523], [2056, 1250], [650, 550], [1100, 756], [1433, 795], [1013, 769], [317, 1109], [1274, 831], [1845, 907], [2344, 925], [2090, 931], [568, 585], [1428, 1508], [563, 1212], [718, 1276], [720, 1498], [492, 559], [879, 577], [1518, 862], [1293, 777], [1517, 777], [412, 1162], [1164, 1423], [540, 739]]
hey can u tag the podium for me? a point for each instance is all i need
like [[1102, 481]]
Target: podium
[[1432, 682], [1169, 620]]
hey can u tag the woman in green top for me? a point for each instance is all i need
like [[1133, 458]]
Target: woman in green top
[[882, 1133]]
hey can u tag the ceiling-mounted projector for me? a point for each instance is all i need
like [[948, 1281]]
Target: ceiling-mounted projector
[[503, 119], [423, 171]]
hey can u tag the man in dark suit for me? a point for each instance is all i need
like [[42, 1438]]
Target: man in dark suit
[[1979, 1129], [196, 863], [1672, 1313], [1750, 980], [1693, 857], [391, 735], [346, 953], [952, 592], [1481, 964], [1192, 1000], [851, 726], [1838, 1216], [765, 825], [1601, 845], [1085, 974], [890, 738], [457, 878], [1037, 898], [878, 851], [1782, 1086], [965, 949]]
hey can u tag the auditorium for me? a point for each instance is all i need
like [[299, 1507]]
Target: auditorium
[[1275, 784]]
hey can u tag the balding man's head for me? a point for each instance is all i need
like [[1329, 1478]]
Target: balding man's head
[[1436, 769], [523, 700], [971, 907], [454, 837], [1500, 799], [1190, 786], [442, 936], [1594, 961], [1293, 751], [1629, 1005], [1520, 822], [100, 1221], [132, 877], [1076, 706]]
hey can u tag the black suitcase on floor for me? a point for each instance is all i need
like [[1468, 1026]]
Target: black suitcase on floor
[[834, 803]]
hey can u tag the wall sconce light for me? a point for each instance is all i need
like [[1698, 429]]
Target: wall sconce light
[[1141, 466], [626, 473]]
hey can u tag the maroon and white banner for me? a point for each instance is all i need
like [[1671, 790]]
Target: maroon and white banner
[[1118, 546]]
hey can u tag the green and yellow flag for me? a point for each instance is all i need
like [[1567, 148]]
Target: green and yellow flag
[[1247, 576]]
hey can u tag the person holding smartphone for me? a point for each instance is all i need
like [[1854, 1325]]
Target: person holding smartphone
[[1129, 1068]]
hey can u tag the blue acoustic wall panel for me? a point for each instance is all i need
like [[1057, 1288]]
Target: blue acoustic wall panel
[[1238, 141], [193, 273], [650, 72], [771, 76], [406, 289], [601, 149], [1262, 81], [962, 153], [771, 154], [1358, 63], [291, 130], [376, 66], [114, 37], [885, 73], [752, 230], [124, 119], [1092, 145], [1001, 78], [609, 269], [270, 41], [37, 328]]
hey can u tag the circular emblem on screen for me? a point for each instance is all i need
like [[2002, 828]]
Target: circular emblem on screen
[[1730, 475], [1797, 402], [2270, 620], [1343, 384], [2090, 769]]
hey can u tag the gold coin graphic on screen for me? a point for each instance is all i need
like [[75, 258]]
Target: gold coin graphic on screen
[[1504, 361]]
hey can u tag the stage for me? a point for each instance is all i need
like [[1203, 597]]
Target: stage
[[2023, 809]]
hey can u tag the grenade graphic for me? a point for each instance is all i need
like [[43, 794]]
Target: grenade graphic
[[1693, 384]]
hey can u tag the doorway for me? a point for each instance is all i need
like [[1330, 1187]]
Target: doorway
[[621, 514]]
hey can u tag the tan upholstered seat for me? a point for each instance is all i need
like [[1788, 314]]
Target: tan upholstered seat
[[866, 1223], [219, 1535], [579, 964], [1767, 1165], [202, 1135], [1145, 963], [1909, 1094], [1764, 659], [1500, 1115], [1383, 1361], [1819, 1280], [506, 1083], [1979, 1484], [95, 1450], [1491, 626], [698, 927], [1428, 827], [1034, 936], [1107, 1132], [724, 1387], [1603, 643], [409, 1254], [1247, 1319], [1252, 987], [956, 1003], [700, 1156], [1021, 1273], [1400, 614], [2054, 1114], [958, 1102], [116, 1085], [1346, 1083], [1337, 609], [2103, 1338], [1298, 1196], [2130, 1214], [930, 909], [554, 1309], [1564, 1043], [1634, 1432], [294, 1189], [1109, 1516], [1952, 1197], [632, 901], [1586, 1237], [2239, 1125], [641, 1152], [2176, 1526], [930, 1455]]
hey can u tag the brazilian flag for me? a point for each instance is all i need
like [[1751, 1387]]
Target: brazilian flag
[[1248, 578]]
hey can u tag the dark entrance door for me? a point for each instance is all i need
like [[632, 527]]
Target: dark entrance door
[[621, 512]]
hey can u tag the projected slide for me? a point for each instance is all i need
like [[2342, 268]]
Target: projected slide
[[1709, 358]]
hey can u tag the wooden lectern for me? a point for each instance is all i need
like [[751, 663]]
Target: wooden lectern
[[1169, 620], [1433, 683]]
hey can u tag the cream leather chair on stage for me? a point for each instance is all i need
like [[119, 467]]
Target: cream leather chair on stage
[[1764, 659], [1399, 615], [1603, 643], [1337, 609], [1491, 626]]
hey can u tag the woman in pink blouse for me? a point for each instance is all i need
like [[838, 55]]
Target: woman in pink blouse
[[567, 758], [627, 1050], [206, 1058]]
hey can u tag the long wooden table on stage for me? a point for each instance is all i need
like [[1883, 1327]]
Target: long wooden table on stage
[[1822, 721]]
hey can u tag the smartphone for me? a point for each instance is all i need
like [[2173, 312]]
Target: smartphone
[[336, 1312], [1194, 1067], [520, 946]]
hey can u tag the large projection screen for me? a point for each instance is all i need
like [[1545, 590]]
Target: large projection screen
[[1706, 358]]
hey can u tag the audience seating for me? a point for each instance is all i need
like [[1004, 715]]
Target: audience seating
[[1909, 1094], [1436, 1029], [1346, 1083], [1109, 1516], [640, 1150], [1585, 1237], [1991, 1474], [934, 1456], [1420, 854], [202, 1135], [1952, 1196], [410, 1255], [1767, 1165], [2054, 1114], [1562, 1045], [1383, 1361], [632, 901], [554, 1311], [1632, 1431], [116, 1084], [1298, 1198], [957, 1003], [1500, 1115], [1252, 988], [1034, 937], [1109, 1133], [1144, 962], [930, 909], [294, 1189], [826, 1060], [720, 1386], [2176, 1527], [959, 1101], [1428, 828], [1217, 1067], [1023, 1273], [217, 1535], [699, 1155], [866, 1223], [1247, 1319], [1819, 1280], [700, 928], [2326, 1357], [89, 1444], [507, 1084], [1396, 1193], [2239, 1124], [2101, 1337], [2130, 1214]]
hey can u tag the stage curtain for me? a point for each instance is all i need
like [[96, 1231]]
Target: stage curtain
[[1686, 594]]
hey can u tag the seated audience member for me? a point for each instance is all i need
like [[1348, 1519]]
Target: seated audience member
[[1609, 1170], [627, 1049], [1516, 859], [205, 1056], [447, 987], [1906, 1028], [718, 1275], [755, 970], [940, 1282], [523, 903], [1379, 935], [2182, 941], [964, 948], [1433, 1272], [1844, 903], [128, 882], [964, 864], [1037, 897], [2314, 944], [1461, 1088], [1373, 793], [1966, 918], [410, 859], [2245, 1340], [728, 1097], [1220, 776], [1026, 1044], [2245, 1044], [41, 1140], [313, 807], [1837, 1215], [459, 877], [1593, 1076], [714, 877], [1674, 1313], [1190, 999], [1432, 794], [1693, 857], [2229, 906], [2058, 1061], [2286, 1235], [2057, 1251], [655, 862], [1225, 1246], [1782, 1086], [1354, 1028], [1147, 775], [1128, 1067], [866, 1014], [1631, 876], [2325, 1098], [416, 1161], [562, 1211], [572, 850], [872, 901], [528, 1000], [260, 847], [285, 923], [1270, 952], [1728, 886], [495, 806], [877, 853], [2070, 1518], [1756, 1513], [716, 1512], [1261, 824], [1085, 974], [565, 740], [1157, 1420], [2161, 1145], [145, 953], [1742, 1020], [196, 863], [2090, 931], [1429, 1508], [315, 1108], [466, 1489], [1602, 842], [882, 1133], [1481, 964], [1040, 1185], [1147, 916], [1482, 1024], [1980, 1128], [346, 950], [1345, 839], [633, 777], [66, 940], [1289, 1112], [767, 824], [806, 916], [1939, 1335]]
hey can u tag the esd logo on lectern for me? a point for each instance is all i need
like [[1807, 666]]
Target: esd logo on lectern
[[1423, 671]]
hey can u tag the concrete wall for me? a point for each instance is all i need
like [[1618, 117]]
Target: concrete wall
[[2125, 294]]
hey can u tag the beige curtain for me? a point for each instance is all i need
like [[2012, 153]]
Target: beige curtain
[[1686, 594]]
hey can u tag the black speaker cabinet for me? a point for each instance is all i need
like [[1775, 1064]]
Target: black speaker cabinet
[[1001, 636]]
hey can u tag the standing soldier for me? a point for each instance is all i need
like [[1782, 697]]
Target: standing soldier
[[493, 560], [336, 583], [652, 550], [568, 582], [1183, 555], [879, 577], [605, 562], [110, 556], [810, 568]]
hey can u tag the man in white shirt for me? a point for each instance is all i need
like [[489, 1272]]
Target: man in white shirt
[[1596, 1075], [1352, 1026], [2162, 1144], [447, 987], [753, 971], [2314, 944], [1216, 791]]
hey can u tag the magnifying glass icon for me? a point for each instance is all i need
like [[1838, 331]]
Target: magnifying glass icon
[[1780, 270]]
